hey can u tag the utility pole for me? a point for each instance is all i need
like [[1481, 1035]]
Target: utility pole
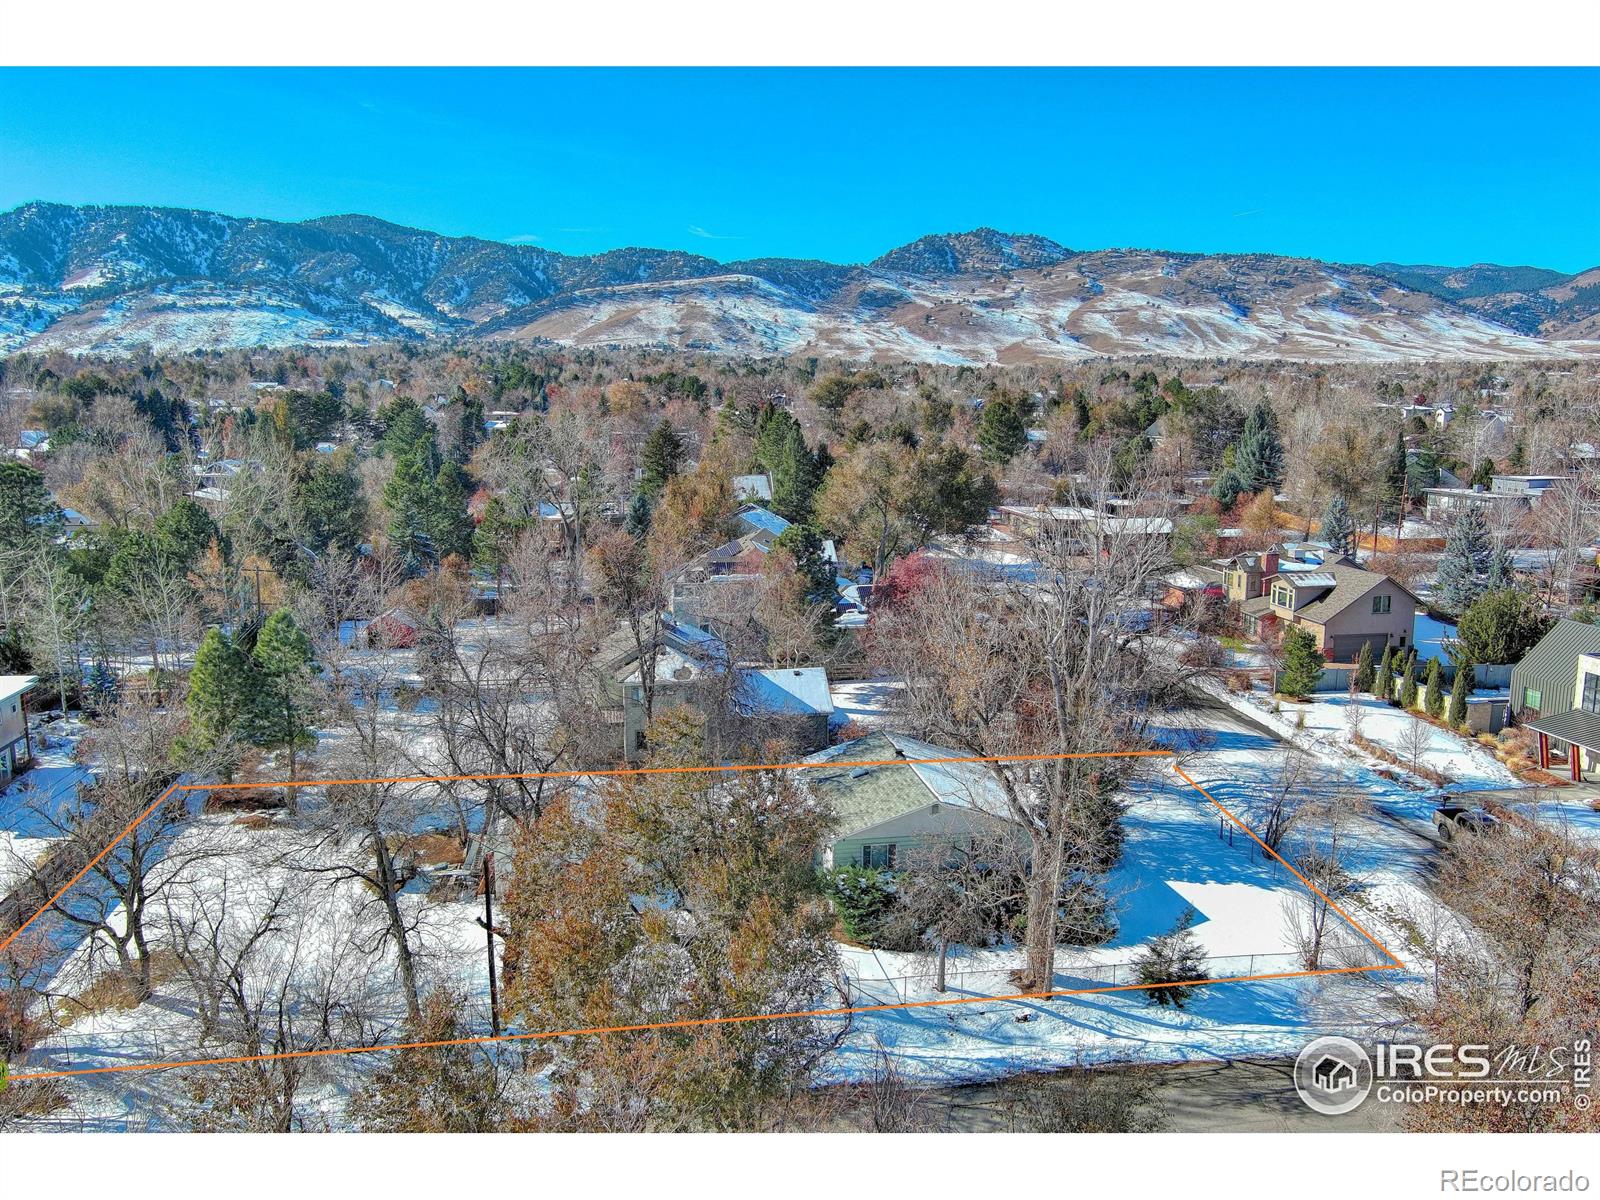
[[487, 921]]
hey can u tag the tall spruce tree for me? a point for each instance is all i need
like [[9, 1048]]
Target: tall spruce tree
[[1394, 477], [1001, 430], [1338, 526], [285, 667], [1258, 461], [661, 459], [222, 692], [1464, 568]]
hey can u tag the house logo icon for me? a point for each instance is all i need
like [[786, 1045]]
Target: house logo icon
[[1333, 1075]]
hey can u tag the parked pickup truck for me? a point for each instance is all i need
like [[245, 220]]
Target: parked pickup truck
[[1450, 819]]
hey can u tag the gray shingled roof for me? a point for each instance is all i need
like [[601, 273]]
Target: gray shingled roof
[[862, 797]]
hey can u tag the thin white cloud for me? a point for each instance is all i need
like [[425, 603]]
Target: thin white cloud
[[1250, 212], [715, 237], [522, 239]]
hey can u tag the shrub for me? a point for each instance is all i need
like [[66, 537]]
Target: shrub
[[863, 898]]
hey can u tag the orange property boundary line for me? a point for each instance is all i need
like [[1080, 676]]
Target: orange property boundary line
[[1394, 963]]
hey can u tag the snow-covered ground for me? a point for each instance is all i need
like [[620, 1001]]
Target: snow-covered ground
[[323, 929], [1174, 859], [863, 701], [1320, 727]]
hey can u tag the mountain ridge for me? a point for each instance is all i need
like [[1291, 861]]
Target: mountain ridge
[[109, 278]]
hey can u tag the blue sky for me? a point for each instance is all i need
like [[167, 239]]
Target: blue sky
[[1439, 166]]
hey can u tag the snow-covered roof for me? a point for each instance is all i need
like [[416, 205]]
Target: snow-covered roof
[[14, 685], [788, 691]]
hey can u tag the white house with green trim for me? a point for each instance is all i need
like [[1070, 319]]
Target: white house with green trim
[[887, 800]]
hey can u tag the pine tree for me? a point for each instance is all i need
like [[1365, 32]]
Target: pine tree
[[1338, 527], [1394, 477], [1383, 685], [661, 459], [1459, 691], [794, 475], [1499, 627], [1258, 462], [1175, 957], [285, 666], [1408, 688], [1501, 569], [1465, 564], [222, 686], [1302, 662], [1433, 697], [1364, 674], [637, 522], [1001, 431]]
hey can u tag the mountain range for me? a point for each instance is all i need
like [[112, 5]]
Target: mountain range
[[98, 279]]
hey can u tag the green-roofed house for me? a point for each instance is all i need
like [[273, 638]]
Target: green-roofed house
[[882, 812]]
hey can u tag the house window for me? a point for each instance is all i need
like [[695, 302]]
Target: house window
[[1532, 698], [880, 857], [1381, 604], [1591, 693], [1283, 597]]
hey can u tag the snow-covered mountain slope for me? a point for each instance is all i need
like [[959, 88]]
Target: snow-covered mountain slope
[[107, 280]]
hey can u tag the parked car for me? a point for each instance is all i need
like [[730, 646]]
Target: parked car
[[1450, 819]]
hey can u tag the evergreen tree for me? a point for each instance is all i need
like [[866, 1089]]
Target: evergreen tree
[[1499, 627], [448, 524], [1258, 461], [222, 689], [1433, 697], [1383, 685], [661, 459], [794, 475], [1338, 527], [1302, 662], [285, 667], [331, 512], [1501, 573], [1408, 687], [1394, 477], [637, 522], [1175, 957], [1001, 430], [1364, 670], [1465, 564], [1227, 488], [409, 498], [1459, 691]]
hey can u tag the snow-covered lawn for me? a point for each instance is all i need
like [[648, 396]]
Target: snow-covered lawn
[[51, 782], [1174, 859], [1320, 727], [322, 941]]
